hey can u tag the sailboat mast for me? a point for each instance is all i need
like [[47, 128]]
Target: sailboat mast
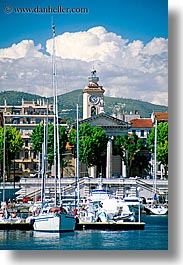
[[77, 155], [58, 151], [44, 156], [4, 159], [155, 154], [54, 109], [43, 164]]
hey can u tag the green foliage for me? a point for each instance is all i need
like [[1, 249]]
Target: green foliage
[[92, 143], [127, 146], [162, 142], [162, 152], [14, 141], [1, 143], [13, 144], [37, 138]]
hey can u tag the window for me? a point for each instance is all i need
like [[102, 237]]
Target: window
[[133, 131], [142, 133], [26, 143], [26, 155], [93, 111]]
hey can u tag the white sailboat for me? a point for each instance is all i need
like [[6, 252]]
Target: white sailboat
[[53, 219]]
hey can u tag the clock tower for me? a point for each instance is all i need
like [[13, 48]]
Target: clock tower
[[93, 99]]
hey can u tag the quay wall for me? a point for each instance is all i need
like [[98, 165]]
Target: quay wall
[[120, 186]]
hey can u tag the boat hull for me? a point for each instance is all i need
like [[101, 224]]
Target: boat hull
[[60, 222], [156, 211]]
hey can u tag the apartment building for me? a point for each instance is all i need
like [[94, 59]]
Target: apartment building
[[24, 118]]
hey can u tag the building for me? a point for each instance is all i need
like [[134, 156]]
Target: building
[[159, 116], [24, 118], [141, 127], [94, 114]]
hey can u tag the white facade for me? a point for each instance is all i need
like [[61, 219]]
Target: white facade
[[93, 102]]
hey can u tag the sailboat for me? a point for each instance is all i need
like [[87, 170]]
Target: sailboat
[[53, 219]]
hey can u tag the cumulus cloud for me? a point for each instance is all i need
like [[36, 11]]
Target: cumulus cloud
[[26, 48], [126, 69]]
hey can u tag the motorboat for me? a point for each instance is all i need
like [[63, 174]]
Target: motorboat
[[99, 194], [7, 217], [133, 203], [107, 210], [114, 210], [156, 209]]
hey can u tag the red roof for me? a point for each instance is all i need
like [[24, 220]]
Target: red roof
[[161, 116], [141, 123]]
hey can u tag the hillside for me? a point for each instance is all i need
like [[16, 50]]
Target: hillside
[[68, 101]]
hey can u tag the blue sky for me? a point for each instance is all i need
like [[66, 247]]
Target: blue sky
[[125, 40], [132, 19]]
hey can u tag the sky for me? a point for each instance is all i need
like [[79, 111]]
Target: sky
[[126, 41]]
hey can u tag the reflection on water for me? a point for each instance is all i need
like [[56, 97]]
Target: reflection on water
[[155, 236]]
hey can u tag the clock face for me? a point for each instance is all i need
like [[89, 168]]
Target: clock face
[[94, 99]]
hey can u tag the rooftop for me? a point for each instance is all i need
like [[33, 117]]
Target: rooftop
[[141, 123]]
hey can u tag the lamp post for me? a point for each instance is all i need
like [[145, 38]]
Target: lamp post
[[139, 189]]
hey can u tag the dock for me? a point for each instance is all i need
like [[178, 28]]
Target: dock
[[16, 226], [122, 226]]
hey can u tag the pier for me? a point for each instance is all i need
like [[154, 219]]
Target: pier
[[16, 226], [123, 226]]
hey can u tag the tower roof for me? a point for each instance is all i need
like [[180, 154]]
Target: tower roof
[[93, 79], [93, 83]]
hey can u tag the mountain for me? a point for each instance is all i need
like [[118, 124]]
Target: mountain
[[67, 103]]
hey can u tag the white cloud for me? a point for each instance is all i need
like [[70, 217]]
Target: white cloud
[[25, 48], [126, 69]]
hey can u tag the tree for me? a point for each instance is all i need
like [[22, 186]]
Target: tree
[[37, 138], [127, 147], [13, 144], [162, 143], [92, 144]]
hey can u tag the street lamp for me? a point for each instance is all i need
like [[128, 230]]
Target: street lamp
[[139, 189]]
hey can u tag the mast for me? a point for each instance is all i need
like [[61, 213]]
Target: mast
[[54, 109], [4, 159], [58, 156], [155, 154], [77, 155], [44, 156]]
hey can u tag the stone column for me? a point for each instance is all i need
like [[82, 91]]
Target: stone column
[[109, 158], [93, 172], [161, 168], [123, 170]]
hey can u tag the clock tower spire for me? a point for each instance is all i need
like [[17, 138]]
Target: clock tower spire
[[93, 99]]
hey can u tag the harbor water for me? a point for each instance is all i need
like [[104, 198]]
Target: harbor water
[[153, 237]]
